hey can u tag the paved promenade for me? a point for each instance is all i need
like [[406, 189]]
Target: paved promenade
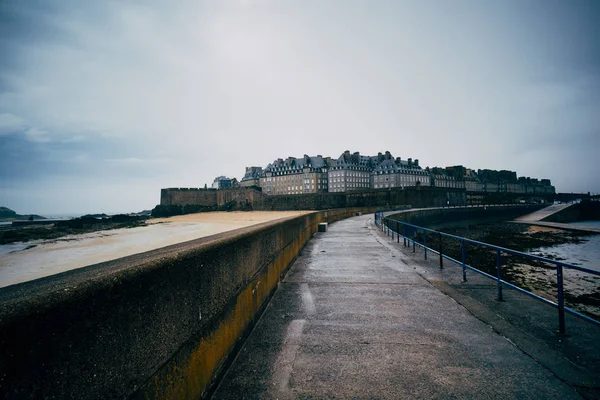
[[352, 319]]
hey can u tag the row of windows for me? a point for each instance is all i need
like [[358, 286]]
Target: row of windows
[[405, 178], [349, 173]]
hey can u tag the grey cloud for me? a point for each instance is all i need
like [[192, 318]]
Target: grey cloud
[[173, 94]]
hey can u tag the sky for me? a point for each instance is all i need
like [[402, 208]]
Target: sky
[[104, 103]]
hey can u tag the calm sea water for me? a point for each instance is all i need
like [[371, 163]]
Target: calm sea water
[[585, 254]]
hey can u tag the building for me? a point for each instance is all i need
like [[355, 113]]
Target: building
[[393, 172], [449, 177], [351, 172], [296, 175], [251, 177], [222, 182], [472, 182]]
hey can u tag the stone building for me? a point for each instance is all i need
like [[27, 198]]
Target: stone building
[[472, 182], [449, 177], [393, 172], [351, 172], [296, 175], [251, 177], [222, 182]]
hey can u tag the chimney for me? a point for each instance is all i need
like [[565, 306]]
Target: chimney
[[416, 162], [398, 160], [410, 162]]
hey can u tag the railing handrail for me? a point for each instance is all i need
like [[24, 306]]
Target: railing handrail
[[380, 220], [502, 249]]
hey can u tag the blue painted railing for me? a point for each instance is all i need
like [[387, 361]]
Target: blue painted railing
[[409, 232]]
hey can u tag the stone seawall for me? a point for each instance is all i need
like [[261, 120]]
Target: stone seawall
[[444, 217], [157, 325], [586, 210]]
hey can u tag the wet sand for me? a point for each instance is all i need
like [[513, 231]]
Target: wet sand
[[21, 262]]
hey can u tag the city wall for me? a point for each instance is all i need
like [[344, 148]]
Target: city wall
[[157, 325], [417, 197], [184, 196]]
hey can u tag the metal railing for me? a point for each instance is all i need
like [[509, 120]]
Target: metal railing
[[409, 234]]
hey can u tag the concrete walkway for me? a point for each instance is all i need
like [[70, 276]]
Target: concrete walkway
[[353, 320]]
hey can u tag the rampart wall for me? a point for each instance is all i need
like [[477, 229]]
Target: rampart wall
[[421, 197], [184, 196], [157, 325]]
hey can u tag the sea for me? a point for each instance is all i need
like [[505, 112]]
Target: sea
[[585, 254]]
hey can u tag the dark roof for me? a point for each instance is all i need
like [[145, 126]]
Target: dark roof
[[297, 164]]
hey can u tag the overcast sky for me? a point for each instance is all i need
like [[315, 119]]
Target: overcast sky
[[103, 103]]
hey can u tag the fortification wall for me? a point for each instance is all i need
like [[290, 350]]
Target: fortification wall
[[157, 325], [242, 196], [184, 196], [422, 197], [249, 197]]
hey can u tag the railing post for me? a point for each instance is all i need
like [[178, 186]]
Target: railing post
[[462, 248], [425, 244], [441, 252], [398, 231], [561, 299], [414, 235], [392, 231], [404, 235], [499, 274]]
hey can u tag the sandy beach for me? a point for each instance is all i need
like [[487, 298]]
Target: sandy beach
[[21, 262]]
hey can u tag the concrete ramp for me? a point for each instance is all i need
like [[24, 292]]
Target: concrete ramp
[[539, 215]]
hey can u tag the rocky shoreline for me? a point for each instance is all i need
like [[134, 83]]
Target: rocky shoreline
[[75, 226]]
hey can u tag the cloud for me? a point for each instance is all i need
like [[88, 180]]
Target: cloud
[[136, 161], [10, 123], [178, 93], [37, 135]]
